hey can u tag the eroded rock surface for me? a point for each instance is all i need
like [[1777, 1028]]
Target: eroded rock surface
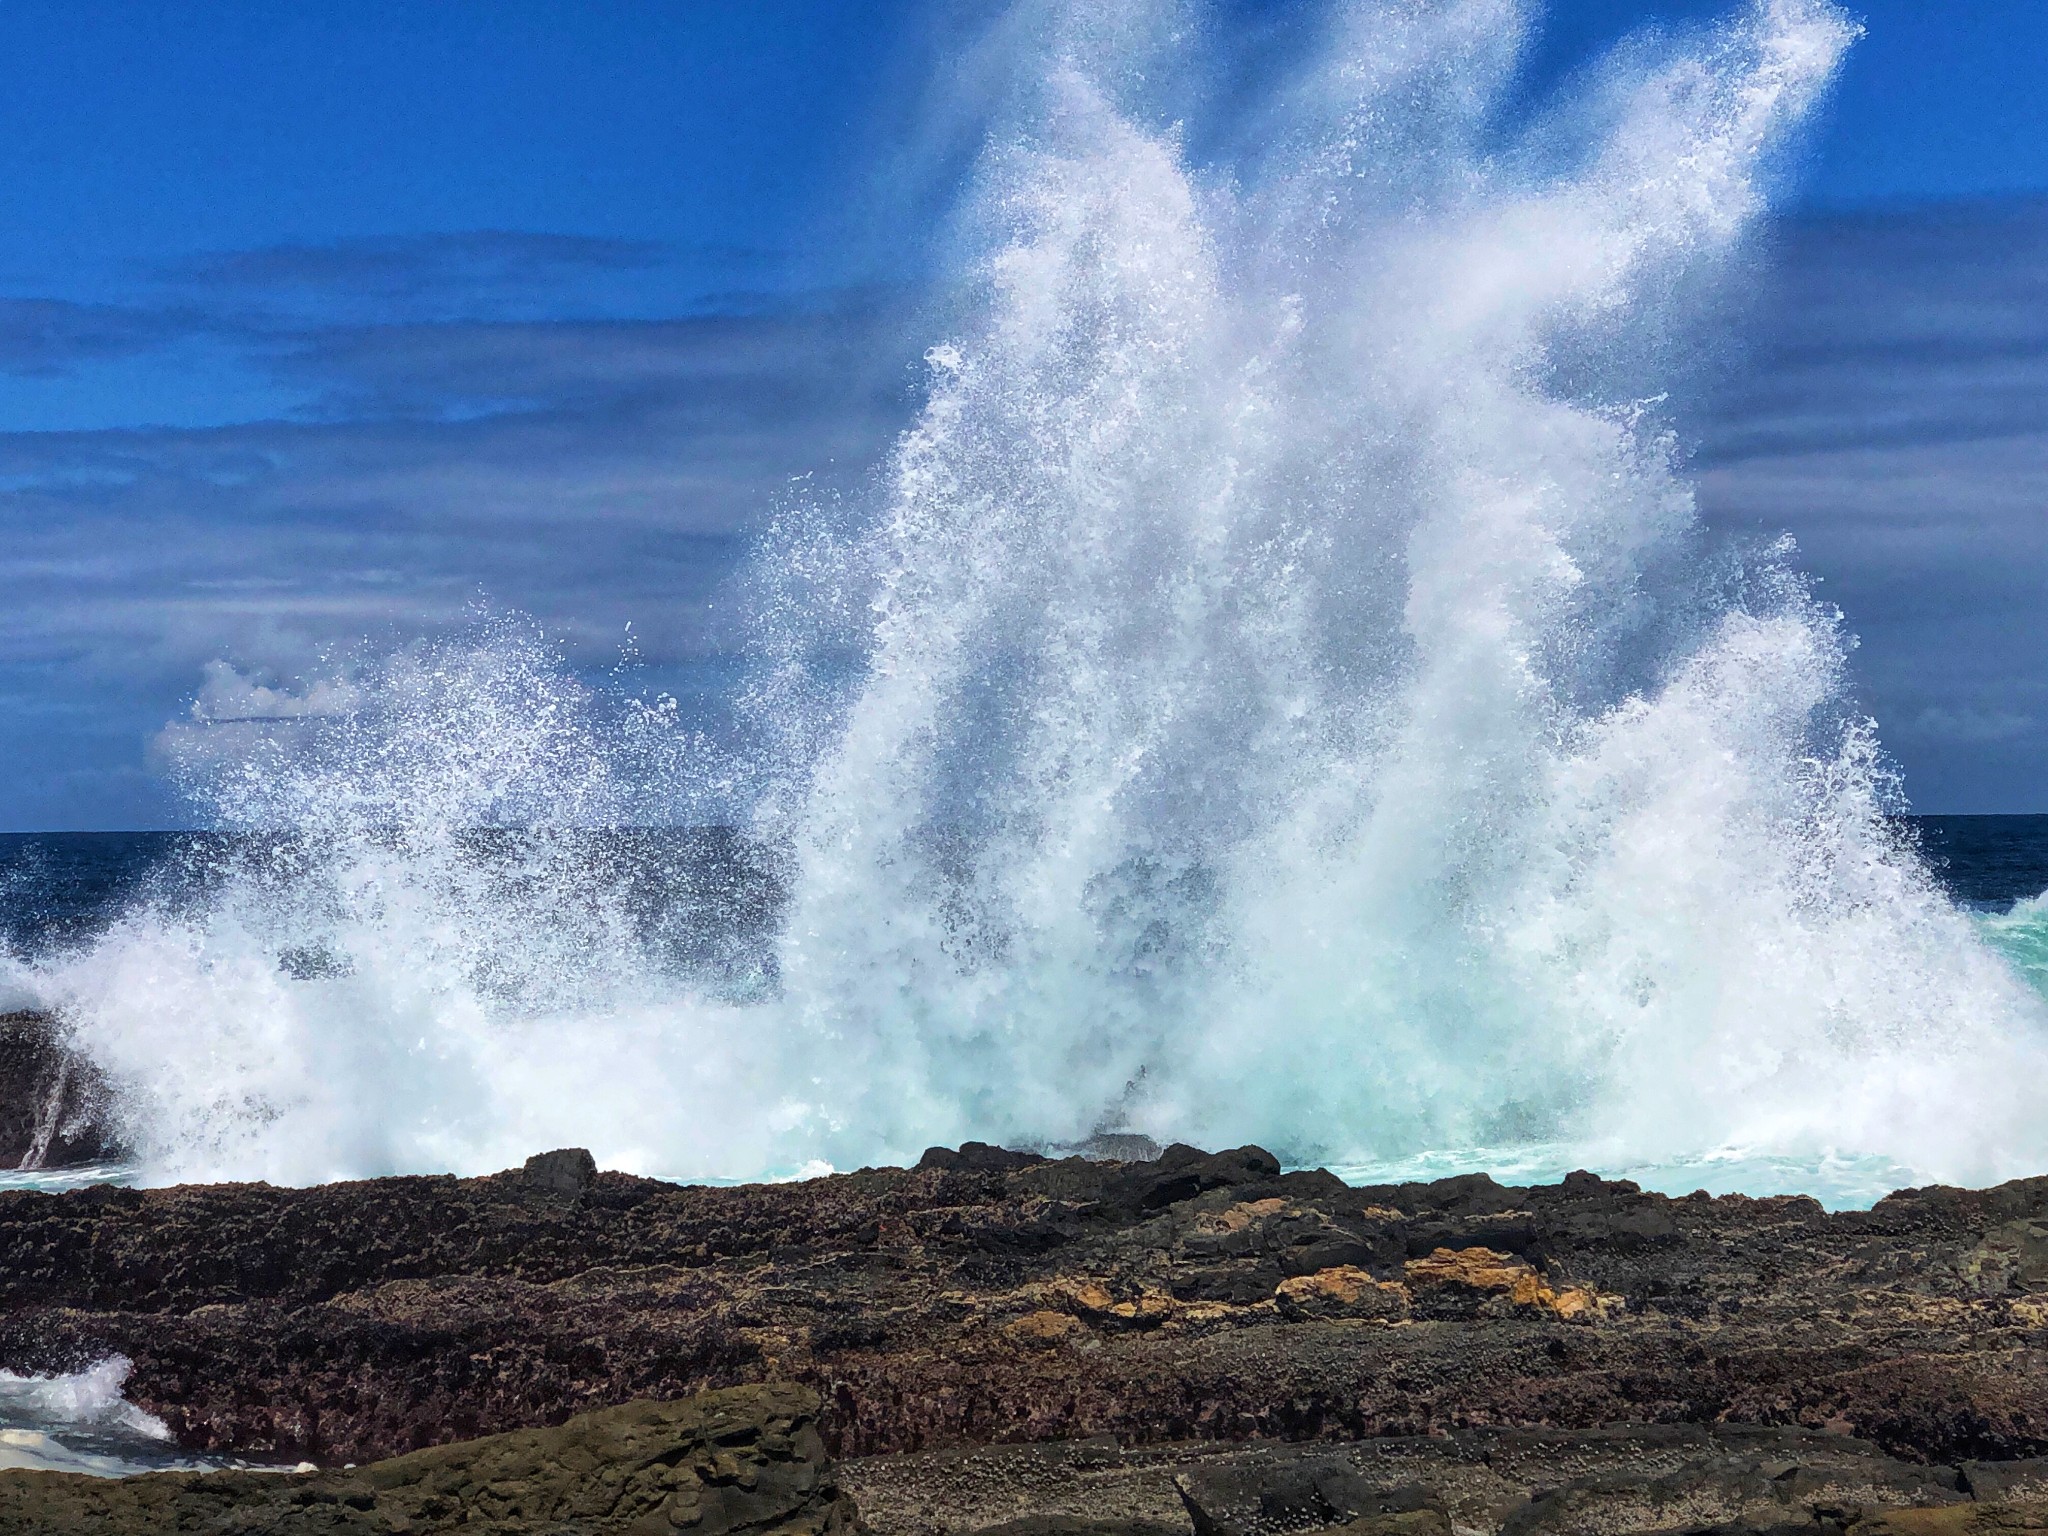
[[991, 1296], [746, 1462], [750, 1462], [1483, 1482]]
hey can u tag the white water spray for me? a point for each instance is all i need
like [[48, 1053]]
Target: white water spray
[[1297, 703]]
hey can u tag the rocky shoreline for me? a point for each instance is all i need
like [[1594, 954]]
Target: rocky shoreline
[[749, 1461], [993, 1333]]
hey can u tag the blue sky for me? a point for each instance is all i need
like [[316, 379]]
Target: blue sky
[[318, 320]]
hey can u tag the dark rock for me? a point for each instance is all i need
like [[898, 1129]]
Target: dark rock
[[1199, 1297], [1737, 1480], [1183, 1172], [567, 1171], [1305, 1182], [1955, 1520], [55, 1107], [1465, 1194], [1405, 1522], [746, 1462], [1995, 1481], [1077, 1525], [978, 1157], [1254, 1499]]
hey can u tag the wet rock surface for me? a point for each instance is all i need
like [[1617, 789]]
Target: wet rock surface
[[730, 1463], [988, 1297], [53, 1103]]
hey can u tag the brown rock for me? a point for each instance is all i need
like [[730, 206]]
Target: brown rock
[[1951, 1520], [1733, 1480], [1207, 1297], [732, 1463], [1481, 1271], [1046, 1328]]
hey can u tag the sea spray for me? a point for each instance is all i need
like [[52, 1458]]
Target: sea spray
[[88, 1398], [421, 943], [1295, 713], [1279, 688], [81, 1423]]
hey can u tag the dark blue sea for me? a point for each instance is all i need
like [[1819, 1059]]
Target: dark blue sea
[[1988, 862], [66, 885], [59, 887], [700, 896]]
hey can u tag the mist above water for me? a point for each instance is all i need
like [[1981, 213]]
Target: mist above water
[[1291, 698]]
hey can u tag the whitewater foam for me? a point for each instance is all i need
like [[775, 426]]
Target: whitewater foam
[[81, 1422], [1292, 698], [88, 1397]]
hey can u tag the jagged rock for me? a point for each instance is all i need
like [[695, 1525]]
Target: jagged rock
[[1182, 1172], [732, 1463], [1342, 1290], [54, 1105]]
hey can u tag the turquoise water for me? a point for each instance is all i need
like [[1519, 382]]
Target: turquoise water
[[2021, 935], [1839, 1182], [56, 1180]]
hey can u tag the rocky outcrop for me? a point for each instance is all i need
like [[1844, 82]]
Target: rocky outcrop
[[53, 1103], [746, 1462], [990, 1296]]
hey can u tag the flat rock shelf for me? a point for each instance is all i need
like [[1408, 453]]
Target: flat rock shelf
[[1195, 1342], [732, 1463]]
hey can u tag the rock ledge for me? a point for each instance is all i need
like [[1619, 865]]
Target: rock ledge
[[743, 1462]]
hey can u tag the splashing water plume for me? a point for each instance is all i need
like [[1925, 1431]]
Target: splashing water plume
[[1297, 703], [420, 950]]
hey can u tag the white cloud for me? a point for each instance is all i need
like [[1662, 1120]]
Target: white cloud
[[234, 713], [228, 697]]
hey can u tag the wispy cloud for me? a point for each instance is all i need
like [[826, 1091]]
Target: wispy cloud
[[540, 442], [589, 471], [1894, 416], [401, 267], [590, 474], [46, 336]]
